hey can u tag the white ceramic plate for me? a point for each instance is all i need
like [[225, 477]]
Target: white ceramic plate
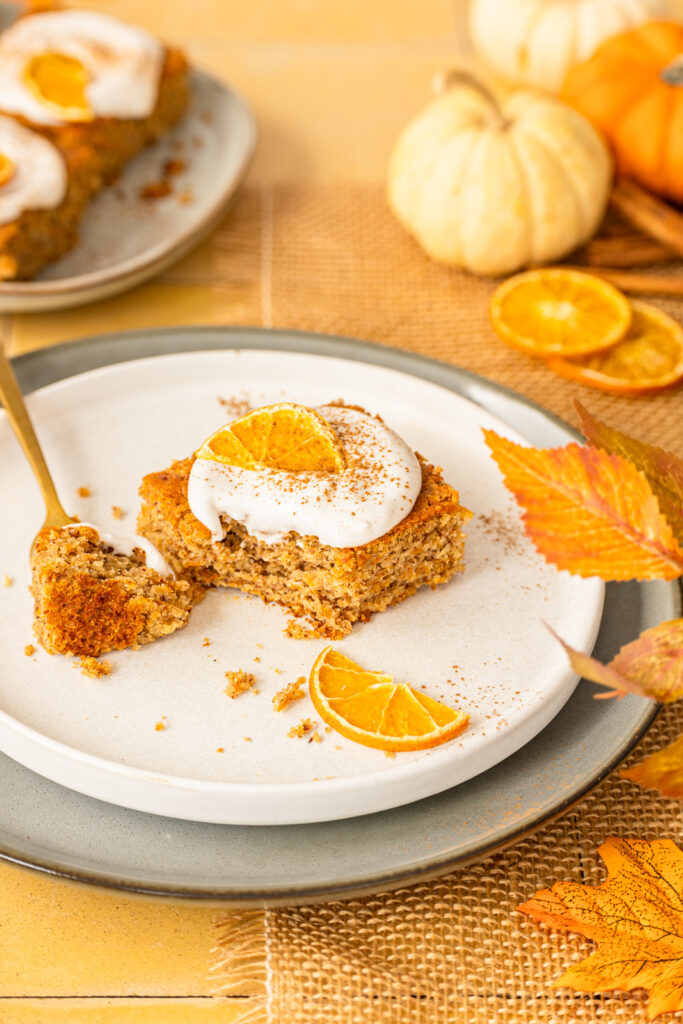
[[125, 239], [479, 642]]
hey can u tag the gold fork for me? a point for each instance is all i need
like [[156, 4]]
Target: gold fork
[[20, 421]]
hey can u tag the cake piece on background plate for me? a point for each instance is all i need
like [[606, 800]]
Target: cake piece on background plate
[[97, 89]]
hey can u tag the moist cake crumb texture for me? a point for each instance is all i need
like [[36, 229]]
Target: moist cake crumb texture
[[89, 599], [239, 682], [326, 589]]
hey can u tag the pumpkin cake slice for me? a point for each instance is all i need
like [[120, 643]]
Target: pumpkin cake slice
[[90, 599], [326, 512]]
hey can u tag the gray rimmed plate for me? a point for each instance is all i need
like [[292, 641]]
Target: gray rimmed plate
[[57, 831], [126, 239]]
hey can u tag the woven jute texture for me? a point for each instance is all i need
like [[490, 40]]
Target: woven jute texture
[[454, 949]]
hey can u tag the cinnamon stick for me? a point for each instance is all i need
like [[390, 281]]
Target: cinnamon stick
[[638, 284], [649, 214], [627, 250]]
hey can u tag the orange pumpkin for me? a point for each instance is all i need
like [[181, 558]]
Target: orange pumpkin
[[632, 90]]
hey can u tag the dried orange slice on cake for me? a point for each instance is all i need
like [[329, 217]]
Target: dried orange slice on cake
[[559, 311], [285, 436], [649, 358], [370, 708], [59, 82]]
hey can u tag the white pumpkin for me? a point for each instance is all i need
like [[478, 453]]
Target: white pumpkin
[[495, 187], [536, 42]]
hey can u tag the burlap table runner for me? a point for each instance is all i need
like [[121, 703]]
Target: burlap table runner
[[332, 259]]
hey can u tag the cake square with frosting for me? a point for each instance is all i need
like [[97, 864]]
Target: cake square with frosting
[[328, 582]]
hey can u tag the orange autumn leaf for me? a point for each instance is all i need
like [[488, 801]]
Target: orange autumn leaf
[[662, 770], [663, 469], [588, 511], [635, 918], [650, 666]]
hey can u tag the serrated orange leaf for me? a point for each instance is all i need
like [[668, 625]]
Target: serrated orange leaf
[[650, 666], [588, 511], [635, 917], [662, 770], [663, 469]]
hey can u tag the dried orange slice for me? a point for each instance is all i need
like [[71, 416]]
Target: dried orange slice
[[558, 311], [59, 83], [649, 358], [285, 436], [370, 708], [7, 169]]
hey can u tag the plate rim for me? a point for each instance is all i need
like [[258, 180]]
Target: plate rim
[[161, 253], [39, 368]]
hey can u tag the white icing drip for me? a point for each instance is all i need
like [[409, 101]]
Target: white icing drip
[[39, 177], [126, 545], [124, 63], [376, 491]]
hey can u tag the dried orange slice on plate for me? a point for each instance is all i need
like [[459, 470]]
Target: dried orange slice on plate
[[649, 358], [559, 311], [59, 82], [284, 436], [370, 708]]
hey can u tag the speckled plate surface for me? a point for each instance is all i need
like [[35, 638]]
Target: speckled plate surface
[[126, 239], [51, 828]]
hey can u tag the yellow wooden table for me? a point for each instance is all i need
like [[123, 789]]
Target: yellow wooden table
[[331, 83]]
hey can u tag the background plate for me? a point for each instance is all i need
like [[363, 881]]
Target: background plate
[[57, 831], [125, 239], [480, 641]]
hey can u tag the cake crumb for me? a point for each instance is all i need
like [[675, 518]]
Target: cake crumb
[[328, 728], [247, 739], [29, 650], [92, 667], [238, 683], [156, 190], [172, 167], [304, 726], [186, 196], [83, 492], [117, 512], [220, 750], [315, 737], [161, 724], [8, 581], [206, 642], [288, 694]]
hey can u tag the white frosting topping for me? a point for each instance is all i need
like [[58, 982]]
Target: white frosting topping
[[39, 179], [375, 491], [125, 546], [123, 63]]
